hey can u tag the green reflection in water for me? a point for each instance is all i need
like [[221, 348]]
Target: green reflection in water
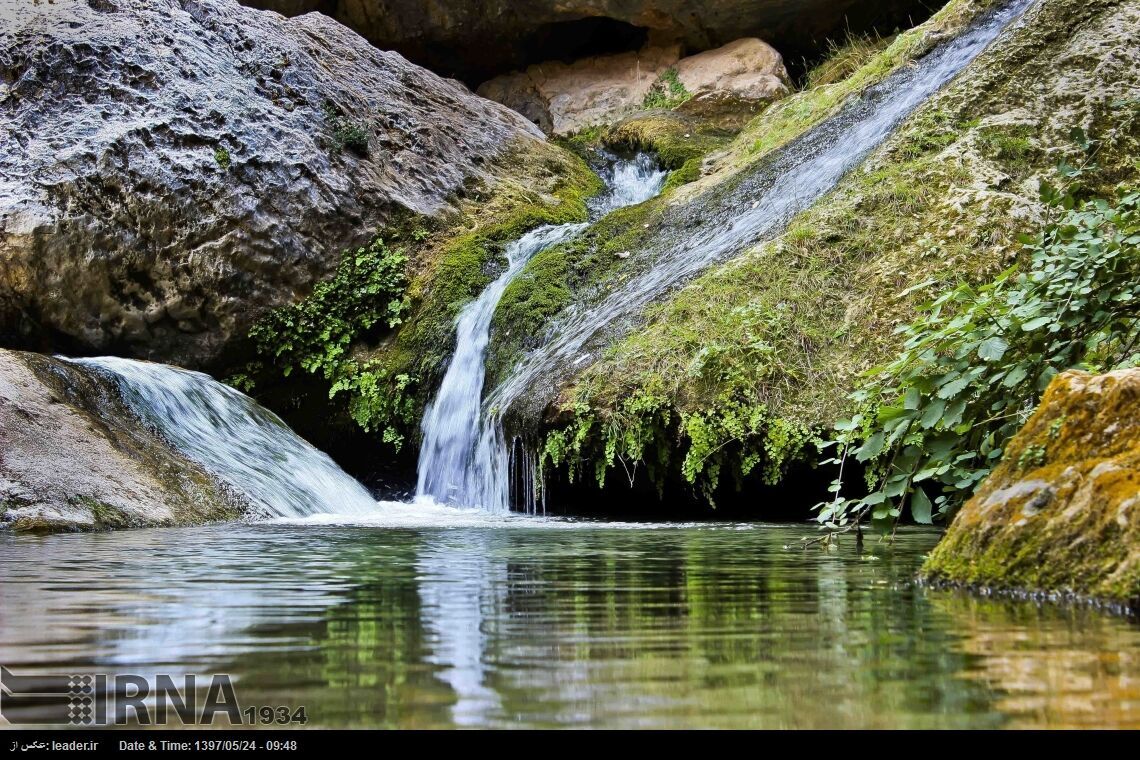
[[560, 625]]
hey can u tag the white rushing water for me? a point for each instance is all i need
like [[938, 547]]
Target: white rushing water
[[458, 458], [237, 440], [823, 156]]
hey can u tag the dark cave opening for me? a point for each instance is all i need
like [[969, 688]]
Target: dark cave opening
[[802, 487], [569, 41]]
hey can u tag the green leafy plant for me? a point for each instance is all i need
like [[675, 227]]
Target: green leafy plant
[[934, 422], [668, 91], [733, 436], [346, 134], [379, 400], [222, 156], [315, 334]]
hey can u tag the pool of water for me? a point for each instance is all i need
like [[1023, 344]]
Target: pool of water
[[421, 622]]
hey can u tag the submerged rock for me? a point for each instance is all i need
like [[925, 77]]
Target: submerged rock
[[174, 170], [73, 457], [563, 98], [1061, 513]]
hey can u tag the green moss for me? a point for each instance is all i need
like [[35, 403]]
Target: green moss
[[690, 171], [1012, 147], [674, 138], [582, 142], [222, 157], [1058, 513], [540, 291], [105, 516]]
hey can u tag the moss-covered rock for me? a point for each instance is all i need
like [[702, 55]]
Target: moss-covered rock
[[1061, 513]]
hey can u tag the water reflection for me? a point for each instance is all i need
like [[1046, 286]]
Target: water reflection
[[460, 603], [1083, 674], [558, 625]]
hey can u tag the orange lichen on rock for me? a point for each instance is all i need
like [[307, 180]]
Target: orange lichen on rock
[[1061, 513]]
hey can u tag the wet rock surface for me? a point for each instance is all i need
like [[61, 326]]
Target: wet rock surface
[[73, 457], [173, 170], [1061, 513]]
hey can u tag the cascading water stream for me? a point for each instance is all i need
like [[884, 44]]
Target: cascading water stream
[[237, 440], [811, 166], [456, 462]]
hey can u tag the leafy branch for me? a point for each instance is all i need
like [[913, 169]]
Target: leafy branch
[[935, 420]]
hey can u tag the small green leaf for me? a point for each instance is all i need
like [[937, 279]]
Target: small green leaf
[[871, 448], [920, 507], [992, 349]]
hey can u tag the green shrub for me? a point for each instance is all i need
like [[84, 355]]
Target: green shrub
[[315, 334], [379, 399], [934, 422]]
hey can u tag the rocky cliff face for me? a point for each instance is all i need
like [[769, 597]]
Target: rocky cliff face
[[1061, 513], [73, 457], [172, 170], [478, 40]]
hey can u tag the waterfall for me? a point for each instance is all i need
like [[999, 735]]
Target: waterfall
[[804, 171], [458, 458], [235, 439]]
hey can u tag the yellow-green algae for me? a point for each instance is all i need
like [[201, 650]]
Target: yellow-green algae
[[1061, 512]]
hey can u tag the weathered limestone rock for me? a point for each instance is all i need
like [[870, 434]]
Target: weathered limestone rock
[[1061, 513], [73, 457], [563, 98], [747, 69], [172, 170]]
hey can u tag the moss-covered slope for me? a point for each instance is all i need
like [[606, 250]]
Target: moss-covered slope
[[735, 370]]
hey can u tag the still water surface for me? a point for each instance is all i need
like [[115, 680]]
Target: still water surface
[[519, 622]]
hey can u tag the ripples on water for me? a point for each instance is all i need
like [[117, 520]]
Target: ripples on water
[[426, 618]]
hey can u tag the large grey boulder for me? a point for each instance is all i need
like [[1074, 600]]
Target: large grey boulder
[[172, 169]]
